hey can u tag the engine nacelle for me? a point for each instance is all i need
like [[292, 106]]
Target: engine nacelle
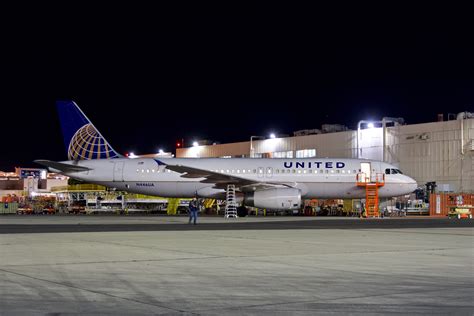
[[276, 199]]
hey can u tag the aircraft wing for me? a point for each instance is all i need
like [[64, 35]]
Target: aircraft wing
[[221, 180], [62, 167]]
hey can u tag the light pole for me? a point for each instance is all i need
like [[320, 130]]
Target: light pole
[[272, 136], [370, 124], [251, 145]]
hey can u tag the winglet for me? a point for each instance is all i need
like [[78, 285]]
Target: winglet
[[160, 163]]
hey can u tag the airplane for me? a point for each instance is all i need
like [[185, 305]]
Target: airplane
[[271, 183]]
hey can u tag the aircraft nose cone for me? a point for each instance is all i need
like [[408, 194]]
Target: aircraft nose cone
[[412, 185]]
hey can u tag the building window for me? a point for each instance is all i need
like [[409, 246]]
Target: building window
[[283, 154], [306, 153]]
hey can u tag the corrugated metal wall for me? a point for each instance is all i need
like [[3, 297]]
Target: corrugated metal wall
[[427, 152]]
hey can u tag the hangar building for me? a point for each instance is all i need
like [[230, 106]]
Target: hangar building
[[440, 151]]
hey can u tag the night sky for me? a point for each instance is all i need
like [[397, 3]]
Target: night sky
[[147, 78]]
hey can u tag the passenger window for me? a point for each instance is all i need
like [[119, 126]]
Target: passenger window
[[387, 171]]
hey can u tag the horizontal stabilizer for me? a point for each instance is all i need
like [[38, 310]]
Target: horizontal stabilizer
[[63, 167]]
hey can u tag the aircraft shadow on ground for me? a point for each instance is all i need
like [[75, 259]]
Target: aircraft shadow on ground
[[280, 225]]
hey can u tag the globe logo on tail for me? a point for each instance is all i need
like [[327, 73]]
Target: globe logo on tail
[[88, 144]]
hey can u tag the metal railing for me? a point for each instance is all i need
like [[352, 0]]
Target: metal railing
[[78, 188]]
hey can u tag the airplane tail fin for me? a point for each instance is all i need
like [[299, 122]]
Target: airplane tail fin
[[83, 141]]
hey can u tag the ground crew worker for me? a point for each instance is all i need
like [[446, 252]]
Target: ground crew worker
[[193, 210]]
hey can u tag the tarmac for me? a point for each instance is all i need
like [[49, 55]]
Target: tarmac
[[128, 265]]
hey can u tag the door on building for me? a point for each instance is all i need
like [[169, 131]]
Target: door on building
[[118, 171], [365, 169]]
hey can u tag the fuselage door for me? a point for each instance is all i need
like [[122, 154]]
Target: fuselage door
[[118, 171], [365, 169], [269, 172]]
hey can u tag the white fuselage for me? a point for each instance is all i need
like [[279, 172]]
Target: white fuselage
[[314, 177]]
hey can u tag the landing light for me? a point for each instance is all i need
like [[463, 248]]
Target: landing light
[[370, 125], [195, 144], [272, 135]]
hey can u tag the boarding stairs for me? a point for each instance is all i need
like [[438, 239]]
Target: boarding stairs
[[231, 202], [371, 183]]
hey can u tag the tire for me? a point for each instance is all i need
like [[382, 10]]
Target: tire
[[242, 211]]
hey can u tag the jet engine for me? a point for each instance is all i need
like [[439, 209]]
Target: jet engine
[[276, 199]]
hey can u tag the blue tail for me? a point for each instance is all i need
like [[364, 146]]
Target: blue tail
[[83, 141]]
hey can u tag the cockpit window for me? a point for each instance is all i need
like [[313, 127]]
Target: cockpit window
[[392, 171]]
